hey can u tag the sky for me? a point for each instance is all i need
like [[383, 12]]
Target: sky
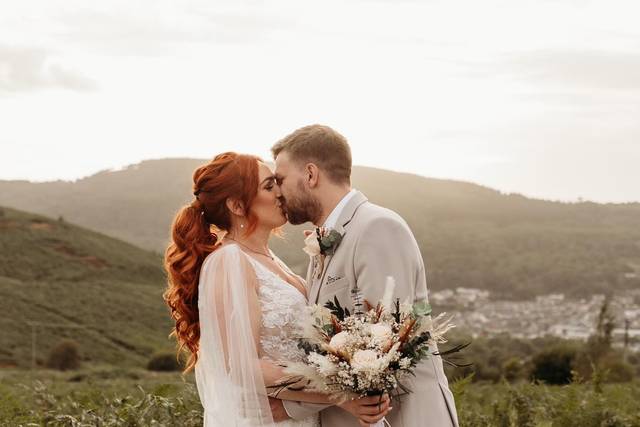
[[537, 97]]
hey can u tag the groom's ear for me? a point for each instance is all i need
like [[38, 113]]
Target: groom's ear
[[312, 173]]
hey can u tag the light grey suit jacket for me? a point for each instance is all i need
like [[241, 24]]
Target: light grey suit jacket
[[378, 243]]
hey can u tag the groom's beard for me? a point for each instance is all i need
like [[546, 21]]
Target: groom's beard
[[302, 207]]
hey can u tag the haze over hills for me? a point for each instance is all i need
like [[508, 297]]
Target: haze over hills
[[470, 235], [105, 292]]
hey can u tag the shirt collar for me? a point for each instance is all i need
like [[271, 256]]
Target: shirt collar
[[330, 222]]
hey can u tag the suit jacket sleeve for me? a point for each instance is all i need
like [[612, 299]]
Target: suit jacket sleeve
[[302, 410], [386, 247]]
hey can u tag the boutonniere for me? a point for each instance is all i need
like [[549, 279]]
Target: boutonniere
[[328, 240], [324, 241]]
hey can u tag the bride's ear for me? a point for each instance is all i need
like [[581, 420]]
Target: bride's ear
[[235, 206]]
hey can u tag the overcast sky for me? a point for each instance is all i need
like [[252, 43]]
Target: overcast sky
[[540, 98]]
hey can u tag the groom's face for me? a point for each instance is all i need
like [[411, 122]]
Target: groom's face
[[298, 202]]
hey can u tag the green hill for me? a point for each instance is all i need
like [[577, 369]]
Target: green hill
[[80, 284], [470, 235]]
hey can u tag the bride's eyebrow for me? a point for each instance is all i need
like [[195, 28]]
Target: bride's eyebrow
[[269, 178]]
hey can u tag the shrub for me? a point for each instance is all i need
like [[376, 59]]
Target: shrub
[[618, 371], [484, 371], [512, 368], [554, 366], [163, 362], [64, 356]]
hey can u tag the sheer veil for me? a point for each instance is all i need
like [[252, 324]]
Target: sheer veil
[[228, 371]]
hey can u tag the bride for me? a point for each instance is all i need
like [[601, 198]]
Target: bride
[[235, 304]]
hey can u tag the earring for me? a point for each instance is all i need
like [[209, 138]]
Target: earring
[[241, 225]]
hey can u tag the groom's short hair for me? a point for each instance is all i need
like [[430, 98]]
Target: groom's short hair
[[321, 145]]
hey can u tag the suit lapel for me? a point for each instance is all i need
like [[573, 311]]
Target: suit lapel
[[309, 278], [345, 218], [313, 279], [319, 281]]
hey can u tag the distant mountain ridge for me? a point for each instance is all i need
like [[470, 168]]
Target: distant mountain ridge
[[470, 235]]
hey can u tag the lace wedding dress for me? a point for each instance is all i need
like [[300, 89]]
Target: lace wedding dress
[[282, 307], [248, 322]]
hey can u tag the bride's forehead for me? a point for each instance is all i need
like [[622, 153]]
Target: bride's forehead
[[264, 167], [264, 170]]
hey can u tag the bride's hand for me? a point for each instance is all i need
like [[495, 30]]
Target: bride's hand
[[277, 410], [368, 410]]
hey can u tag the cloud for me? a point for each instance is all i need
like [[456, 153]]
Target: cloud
[[585, 69], [163, 29], [29, 69]]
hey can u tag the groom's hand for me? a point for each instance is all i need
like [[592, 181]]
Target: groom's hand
[[368, 410], [277, 410]]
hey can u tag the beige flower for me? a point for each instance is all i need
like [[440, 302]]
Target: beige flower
[[365, 359], [380, 333], [340, 340], [311, 245]]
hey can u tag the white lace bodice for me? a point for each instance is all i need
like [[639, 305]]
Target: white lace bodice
[[282, 306]]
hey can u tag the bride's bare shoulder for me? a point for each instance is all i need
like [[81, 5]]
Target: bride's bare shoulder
[[227, 253]]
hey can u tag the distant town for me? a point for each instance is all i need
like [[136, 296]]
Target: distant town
[[481, 314]]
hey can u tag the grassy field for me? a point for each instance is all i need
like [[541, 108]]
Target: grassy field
[[529, 405], [106, 396], [100, 396]]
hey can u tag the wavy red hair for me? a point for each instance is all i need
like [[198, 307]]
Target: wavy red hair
[[194, 235]]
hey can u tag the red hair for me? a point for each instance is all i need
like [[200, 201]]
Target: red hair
[[193, 237]]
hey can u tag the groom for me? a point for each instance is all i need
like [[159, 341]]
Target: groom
[[313, 169]]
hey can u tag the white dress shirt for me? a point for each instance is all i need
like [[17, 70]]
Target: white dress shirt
[[330, 222]]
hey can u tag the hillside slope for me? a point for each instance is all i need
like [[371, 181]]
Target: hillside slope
[[76, 283]]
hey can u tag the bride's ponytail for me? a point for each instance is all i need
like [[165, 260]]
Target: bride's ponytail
[[192, 240], [191, 243]]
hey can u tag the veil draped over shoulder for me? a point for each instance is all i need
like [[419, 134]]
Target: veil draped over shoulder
[[230, 376]]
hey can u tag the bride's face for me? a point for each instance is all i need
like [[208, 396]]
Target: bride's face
[[266, 206]]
